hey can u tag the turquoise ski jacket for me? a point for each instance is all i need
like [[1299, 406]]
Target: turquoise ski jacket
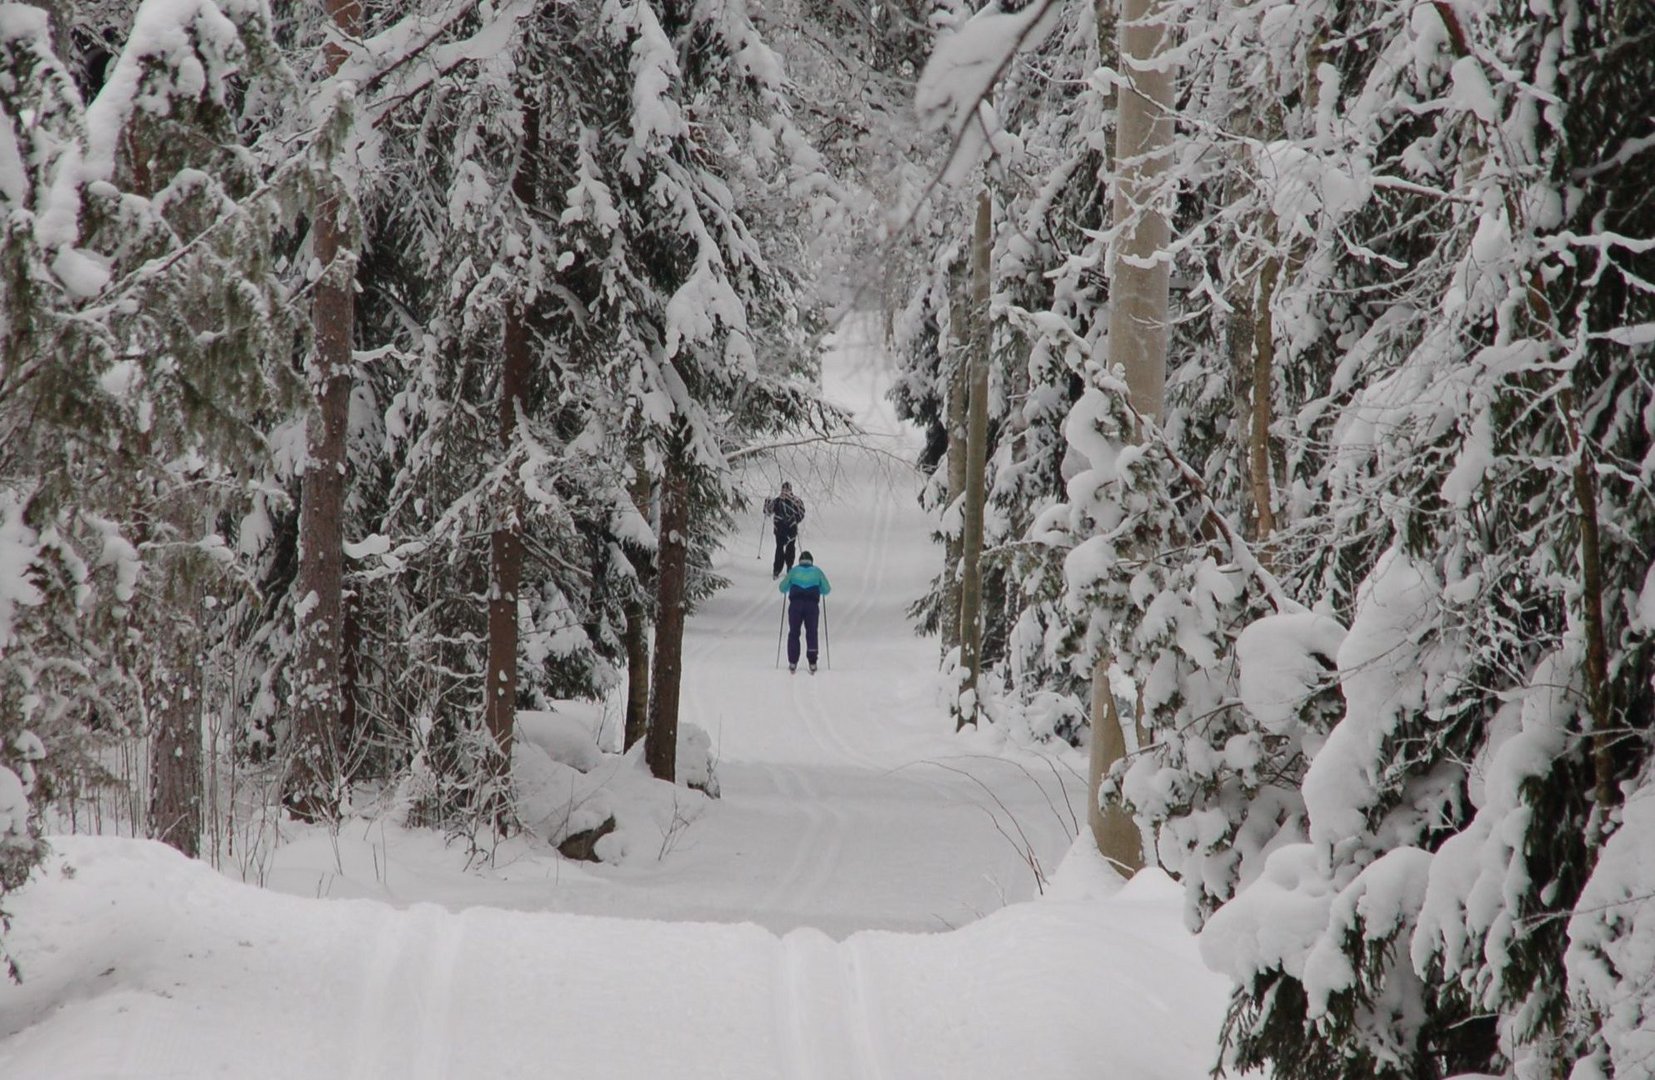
[[805, 578]]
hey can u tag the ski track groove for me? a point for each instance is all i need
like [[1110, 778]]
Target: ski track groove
[[374, 1031], [435, 1043], [829, 853], [708, 644], [797, 1060], [796, 868], [823, 1024], [864, 1035], [874, 560], [818, 850]]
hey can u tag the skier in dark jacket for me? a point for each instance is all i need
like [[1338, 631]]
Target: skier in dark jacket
[[786, 511], [805, 586]]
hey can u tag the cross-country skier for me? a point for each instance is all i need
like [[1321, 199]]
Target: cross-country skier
[[805, 586], [785, 511]]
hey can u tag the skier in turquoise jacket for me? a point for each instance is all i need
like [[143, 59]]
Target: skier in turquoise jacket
[[804, 586]]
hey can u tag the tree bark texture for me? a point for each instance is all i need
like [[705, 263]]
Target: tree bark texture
[[1140, 272], [960, 344], [976, 479], [310, 787], [176, 769], [176, 790], [506, 548], [1258, 443], [637, 635], [661, 742], [1606, 792], [1113, 829]]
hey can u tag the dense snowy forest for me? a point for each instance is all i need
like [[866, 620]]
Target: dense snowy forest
[[376, 369]]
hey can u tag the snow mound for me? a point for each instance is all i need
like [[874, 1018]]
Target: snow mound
[[560, 736], [121, 940], [556, 800]]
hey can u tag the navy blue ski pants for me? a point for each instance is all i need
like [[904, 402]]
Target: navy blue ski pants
[[787, 541], [802, 611]]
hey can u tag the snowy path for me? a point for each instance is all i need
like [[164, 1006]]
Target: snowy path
[[849, 802], [763, 944]]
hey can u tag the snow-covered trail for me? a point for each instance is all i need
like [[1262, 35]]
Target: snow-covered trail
[[848, 800]]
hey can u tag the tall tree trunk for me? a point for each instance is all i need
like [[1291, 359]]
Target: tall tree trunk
[[955, 417], [506, 549], [1140, 273], [637, 636], [311, 787], [1140, 269], [672, 562], [1606, 793], [1258, 442], [976, 478], [176, 787]]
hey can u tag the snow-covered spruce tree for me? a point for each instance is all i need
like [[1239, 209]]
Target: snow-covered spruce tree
[[1463, 813], [1052, 293], [140, 316], [467, 420], [938, 329], [687, 150]]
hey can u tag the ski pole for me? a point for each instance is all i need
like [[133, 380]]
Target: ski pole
[[760, 555], [827, 641], [779, 627]]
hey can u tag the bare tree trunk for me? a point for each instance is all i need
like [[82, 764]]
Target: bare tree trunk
[[1113, 829], [960, 335], [637, 672], [176, 769], [637, 637], [976, 469], [311, 787], [1140, 269], [1140, 273], [1606, 792], [506, 569], [661, 742], [506, 554], [1264, 343]]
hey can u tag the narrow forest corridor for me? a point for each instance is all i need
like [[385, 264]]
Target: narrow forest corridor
[[757, 946]]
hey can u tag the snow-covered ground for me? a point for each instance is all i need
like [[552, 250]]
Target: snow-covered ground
[[873, 895]]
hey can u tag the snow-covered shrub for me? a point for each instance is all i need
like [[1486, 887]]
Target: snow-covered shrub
[[21, 850], [633, 815]]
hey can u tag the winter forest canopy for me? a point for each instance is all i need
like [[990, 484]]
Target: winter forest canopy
[[376, 369]]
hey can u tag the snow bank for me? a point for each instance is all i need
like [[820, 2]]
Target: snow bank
[[562, 737], [139, 962]]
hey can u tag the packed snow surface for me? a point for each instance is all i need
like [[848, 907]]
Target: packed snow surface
[[871, 896]]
